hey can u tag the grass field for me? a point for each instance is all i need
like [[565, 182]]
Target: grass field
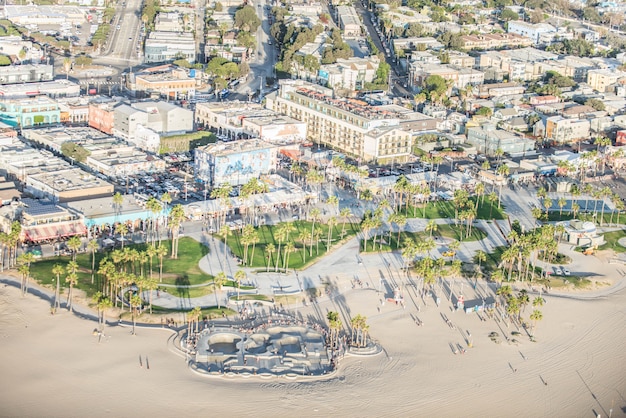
[[445, 210], [390, 241], [181, 272], [301, 256]]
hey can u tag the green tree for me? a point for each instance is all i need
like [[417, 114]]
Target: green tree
[[597, 104], [246, 19], [485, 111], [508, 14]]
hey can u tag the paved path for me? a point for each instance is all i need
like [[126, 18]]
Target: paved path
[[336, 270]]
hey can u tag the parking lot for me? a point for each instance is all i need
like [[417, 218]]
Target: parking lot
[[178, 181]]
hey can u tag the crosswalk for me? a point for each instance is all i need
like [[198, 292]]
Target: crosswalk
[[101, 83]]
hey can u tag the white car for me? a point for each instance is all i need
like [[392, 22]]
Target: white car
[[558, 271], [566, 272]]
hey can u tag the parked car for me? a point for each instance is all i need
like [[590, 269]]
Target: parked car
[[558, 271], [566, 272]]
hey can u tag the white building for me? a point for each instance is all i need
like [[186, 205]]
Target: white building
[[351, 73], [529, 30], [349, 22], [168, 46], [16, 74], [131, 122]]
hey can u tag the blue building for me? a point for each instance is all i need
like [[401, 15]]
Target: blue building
[[25, 113]]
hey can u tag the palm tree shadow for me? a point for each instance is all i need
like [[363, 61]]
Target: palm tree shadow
[[182, 287]]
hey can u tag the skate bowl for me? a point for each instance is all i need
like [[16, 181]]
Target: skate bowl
[[225, 343]]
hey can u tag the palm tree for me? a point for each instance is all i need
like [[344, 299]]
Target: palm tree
[[576, 208], [254, 239], [74, 244], [479, 189], [24, 261], [135, 307], [497, 276], [345, 214], [161, 251], [57, 270], [166, 199], [151, 252], [219, 281], [431, 227], [314, 215], [561, 202], [334, 324], [224, 232], [480, 257], [492, 198], [71, 279], [193, 317], [283, 233], [239, 276], [150, 284], [332, 221], [176, 218], [154, 206], [93, 246], [102, 304], [333, 201], [409, 251], [246, 240], [454, 246], [536, 316], [304, 237], [287, 250], [314, 177], [503, 171], [121, 229], [547, 204]]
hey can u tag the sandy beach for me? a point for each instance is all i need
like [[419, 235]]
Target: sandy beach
[[55, 366]]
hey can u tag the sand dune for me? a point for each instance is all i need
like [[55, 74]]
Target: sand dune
[[54, 366]]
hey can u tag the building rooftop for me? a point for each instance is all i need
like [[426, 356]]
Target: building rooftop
[[357, 107], [71, 178], [275, 119], [235, 147], [38, 88]]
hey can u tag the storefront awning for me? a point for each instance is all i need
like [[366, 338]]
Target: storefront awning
[[53, 231]]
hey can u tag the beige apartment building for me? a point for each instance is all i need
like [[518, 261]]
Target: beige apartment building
[[368, 133], [494, 41], [600, 80]]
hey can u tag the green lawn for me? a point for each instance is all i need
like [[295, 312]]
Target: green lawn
[[251, 297], [445, 209], [183, 271], [301, 256], [612, 239], [390, 243], [561, 282]]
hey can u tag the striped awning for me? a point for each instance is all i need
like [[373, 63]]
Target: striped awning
[[47, 232]]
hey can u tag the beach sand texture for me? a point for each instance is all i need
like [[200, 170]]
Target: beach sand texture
[[54, 366]]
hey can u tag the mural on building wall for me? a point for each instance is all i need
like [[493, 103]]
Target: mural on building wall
[[242, 164]]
